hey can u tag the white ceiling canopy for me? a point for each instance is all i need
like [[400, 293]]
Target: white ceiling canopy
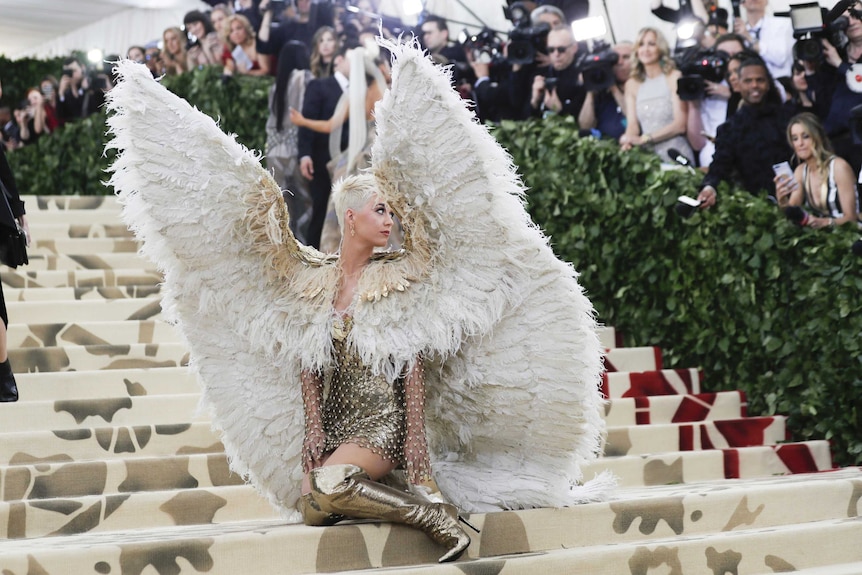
[[45, 28]]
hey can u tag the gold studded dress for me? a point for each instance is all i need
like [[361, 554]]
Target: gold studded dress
[[360, 407]]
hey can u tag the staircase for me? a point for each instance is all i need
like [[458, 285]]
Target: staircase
[[105, 466]]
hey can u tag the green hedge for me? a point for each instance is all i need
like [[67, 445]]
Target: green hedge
[[72, 160], [756, 302]]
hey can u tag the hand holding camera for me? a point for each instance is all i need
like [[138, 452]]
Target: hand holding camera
[[785, 183]]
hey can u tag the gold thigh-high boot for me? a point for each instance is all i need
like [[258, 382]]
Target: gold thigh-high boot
[[314, 515], [347, 490]]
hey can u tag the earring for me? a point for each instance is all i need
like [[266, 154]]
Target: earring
[[352, 230]]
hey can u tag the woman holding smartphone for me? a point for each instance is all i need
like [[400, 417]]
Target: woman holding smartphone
[[823, 183]]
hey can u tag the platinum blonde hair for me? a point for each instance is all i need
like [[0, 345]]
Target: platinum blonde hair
[[353, 192]]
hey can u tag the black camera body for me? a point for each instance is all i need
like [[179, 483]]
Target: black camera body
[[527, 41], [485, 47], [697, 68], [597, 67], [811, 26]]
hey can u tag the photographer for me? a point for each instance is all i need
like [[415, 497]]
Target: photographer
[[78, 99], [557, 88], [435, 39], [833, 81], [605, 110], [284, 22]]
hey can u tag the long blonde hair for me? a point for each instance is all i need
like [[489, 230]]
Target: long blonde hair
[[319, 68], [665, 61], [821, 147]]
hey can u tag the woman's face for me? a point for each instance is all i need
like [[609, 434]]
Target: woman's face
[[373, 223], [217, 18], [326, 46], [733, 75], [136, 55], [34, 97], [802, 143], [196, 29], [799, 81], [648, 51], [237, 33], [172, 43]]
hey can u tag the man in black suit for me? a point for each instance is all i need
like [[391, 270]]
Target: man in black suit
[[321, 99]]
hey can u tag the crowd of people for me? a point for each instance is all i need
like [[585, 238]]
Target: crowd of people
[[723, 99]]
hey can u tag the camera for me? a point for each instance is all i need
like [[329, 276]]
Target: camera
[[68, 72], [686, 206], [810, 27], [525, 41], [484, 47], [597, 67], [697, 68]]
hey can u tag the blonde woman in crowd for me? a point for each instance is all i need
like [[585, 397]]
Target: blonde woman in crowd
[[656, 117], [174, 51], [823, 183], [218, 15], [245, 58], [324, 46]]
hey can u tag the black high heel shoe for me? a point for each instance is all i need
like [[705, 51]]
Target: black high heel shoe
[[8, 389]]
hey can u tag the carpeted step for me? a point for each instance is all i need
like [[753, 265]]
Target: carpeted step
[[722, 516], [23, 278], [40, 480], [107, 442], [117, 411], [748, 552], [714, 464], [104, 261], [633, 359], [90, 333], [649, 383], [110, 229], [79, 311], [58, 246], [59, 294], [98, 384], [675, 408], [93, 357], [53, 203], [745, 432], [135, 510]]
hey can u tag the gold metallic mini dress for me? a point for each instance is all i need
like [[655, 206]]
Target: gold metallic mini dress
[[360, 407]]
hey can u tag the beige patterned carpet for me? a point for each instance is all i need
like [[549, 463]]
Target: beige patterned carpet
[[105, 468]]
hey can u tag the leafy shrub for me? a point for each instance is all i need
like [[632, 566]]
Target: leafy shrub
[[756, 302], [71, 160]]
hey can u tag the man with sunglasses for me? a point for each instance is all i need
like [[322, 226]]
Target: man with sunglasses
[[838, 80], [557, 88]]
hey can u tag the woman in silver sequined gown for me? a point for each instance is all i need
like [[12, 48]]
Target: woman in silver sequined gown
[[655, 116], [365, 426]]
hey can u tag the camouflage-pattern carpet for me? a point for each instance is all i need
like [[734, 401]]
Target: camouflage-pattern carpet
[[106, 468]]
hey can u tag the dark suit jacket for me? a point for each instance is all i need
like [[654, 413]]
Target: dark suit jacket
[[11, 190], [321, 98]]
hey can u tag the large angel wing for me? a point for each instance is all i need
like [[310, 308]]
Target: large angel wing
[[246, 297], [514, 405]]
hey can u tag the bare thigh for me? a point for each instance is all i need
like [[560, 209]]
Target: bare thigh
[[350, 453]]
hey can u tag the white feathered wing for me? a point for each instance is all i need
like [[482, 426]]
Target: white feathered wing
[[514, 404], [214, 222]]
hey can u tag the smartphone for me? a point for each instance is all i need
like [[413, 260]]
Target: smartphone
[[783, 169], [686, 206]]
